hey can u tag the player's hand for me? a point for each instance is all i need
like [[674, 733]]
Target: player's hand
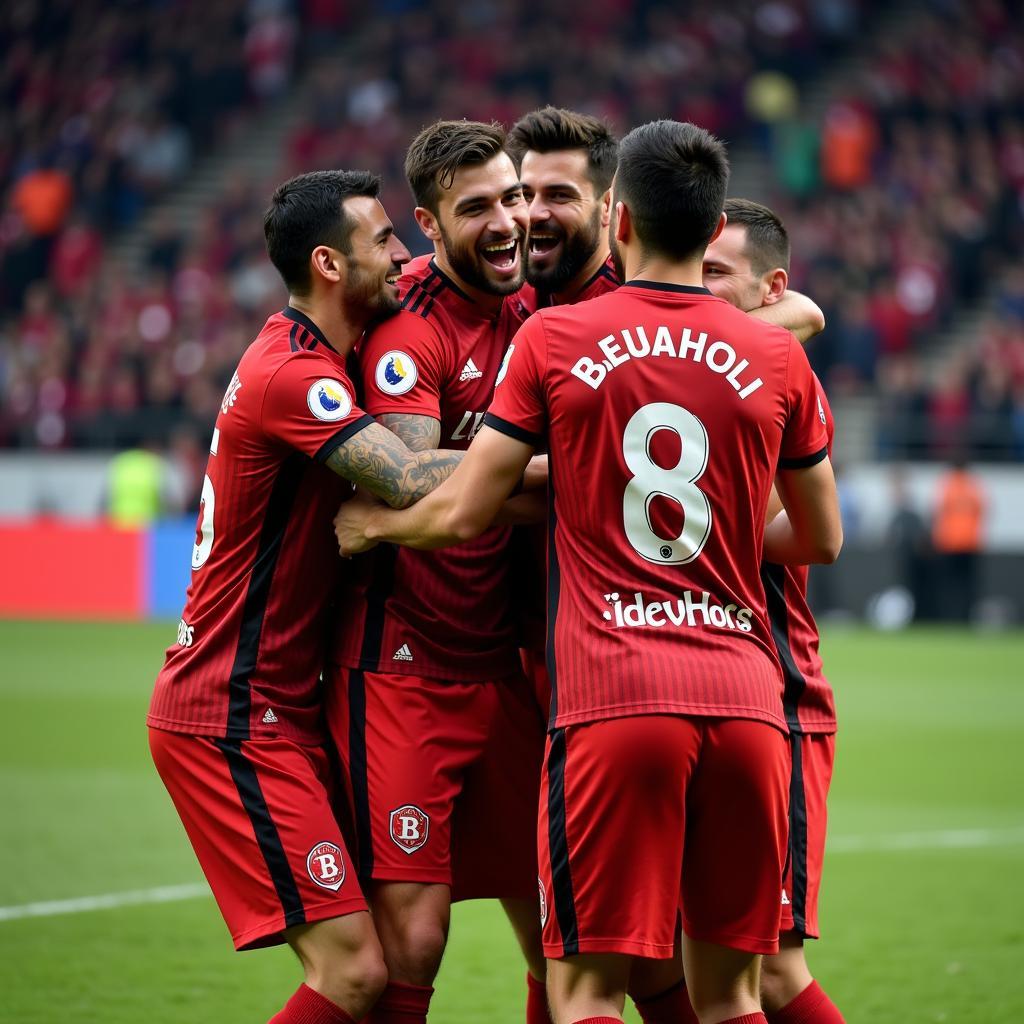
[[350, 525]]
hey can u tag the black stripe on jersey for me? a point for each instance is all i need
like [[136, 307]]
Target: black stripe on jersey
[[267, 837], [377, 594], [773, 579], [667, 286], [558, 847], [292, 335], [307, 341], [447, 282], [798, 835], [357, 771], [511, 430], [805, 461], [303, 321], [275, 523], [554, 591], [334, 442], [420, 297]]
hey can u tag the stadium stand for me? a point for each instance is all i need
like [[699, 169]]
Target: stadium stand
[[904, 198]]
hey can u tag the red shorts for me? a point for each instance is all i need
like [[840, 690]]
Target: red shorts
[[646, 815], [813, 757], [445, 779], [535, 668], [261, 819]]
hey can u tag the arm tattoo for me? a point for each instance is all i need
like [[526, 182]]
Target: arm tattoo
[[376, 459], [420, 433]]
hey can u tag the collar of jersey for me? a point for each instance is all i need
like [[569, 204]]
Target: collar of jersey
[[449, 283], [290, 313], [666, 286]]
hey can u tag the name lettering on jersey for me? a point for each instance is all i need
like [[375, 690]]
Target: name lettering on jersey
[[680, 611], [470, 371], [472, 421], [328, 400], [186, 634], [719, 357], [396, 372], [231, 394]]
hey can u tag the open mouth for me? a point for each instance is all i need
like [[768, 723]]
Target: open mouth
[[392, 279], [502, 255], [541, 243]]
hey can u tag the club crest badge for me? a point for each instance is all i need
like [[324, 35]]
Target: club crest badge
[[326, 866], [409, 828]]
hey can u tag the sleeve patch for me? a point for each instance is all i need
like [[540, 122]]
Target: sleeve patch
[[328, 400], [503, 369], [396, 373]]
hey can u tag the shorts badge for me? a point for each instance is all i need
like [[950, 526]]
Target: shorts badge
[[326, 866], [409, 828]]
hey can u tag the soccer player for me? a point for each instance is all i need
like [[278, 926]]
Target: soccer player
[[234, 718], [748, 266], [567, 161], [667, 415], [427, 702]]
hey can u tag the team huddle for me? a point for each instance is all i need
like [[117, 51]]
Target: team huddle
[[576, 462]]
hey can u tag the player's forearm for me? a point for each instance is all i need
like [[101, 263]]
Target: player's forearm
[[434, 522], [785, 545], [524, 509], [798, 314]]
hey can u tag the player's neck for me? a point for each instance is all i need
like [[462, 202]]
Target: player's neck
[[487, 301], [572, 290], [649, 267], [337, 328]]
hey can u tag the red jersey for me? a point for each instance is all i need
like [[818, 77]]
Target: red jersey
[[529, 543], [666, 413], [438, 614], [251, 641], [807, 698]]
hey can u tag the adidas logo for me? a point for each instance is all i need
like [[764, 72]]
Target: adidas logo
[[269, 718], [785, 899], [470, 372], [403, 653]]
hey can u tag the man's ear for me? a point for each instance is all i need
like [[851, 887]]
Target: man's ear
[[428, 223], [777, 281], [327, 264], [606, 208], [722, 221], [623, 223]]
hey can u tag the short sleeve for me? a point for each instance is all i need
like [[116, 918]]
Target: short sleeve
[[804, 437], [404, 367], [309, 405], [518, 408]]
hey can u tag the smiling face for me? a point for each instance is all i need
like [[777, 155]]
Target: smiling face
[[374, 261], [565, 216], [728, 273], [481, 224]]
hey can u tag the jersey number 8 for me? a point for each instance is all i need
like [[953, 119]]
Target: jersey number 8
[[678, 483]]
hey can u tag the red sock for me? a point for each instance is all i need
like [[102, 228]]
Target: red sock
[[747, 1018], [670, 1007], [401, 1004], [536, 1001], [307, 1006], [812, 1006]]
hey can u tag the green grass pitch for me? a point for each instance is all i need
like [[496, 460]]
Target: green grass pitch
[[923, 903]]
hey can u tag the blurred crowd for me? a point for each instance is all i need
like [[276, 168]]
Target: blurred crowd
[[903, 200]]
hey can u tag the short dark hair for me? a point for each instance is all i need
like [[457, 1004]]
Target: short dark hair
[[307, 211], [444, 147], [767, 244], [673, 177], [553, 129]]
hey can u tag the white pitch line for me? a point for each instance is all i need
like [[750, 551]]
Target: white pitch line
[[108, 901], [949, 839]]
